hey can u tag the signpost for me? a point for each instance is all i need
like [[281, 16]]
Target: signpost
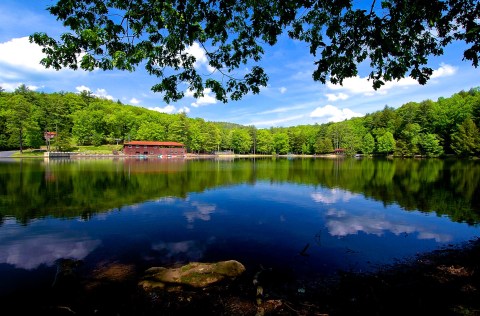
[[48, 136]]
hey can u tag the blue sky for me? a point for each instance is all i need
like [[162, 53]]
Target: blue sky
[[291, 98]]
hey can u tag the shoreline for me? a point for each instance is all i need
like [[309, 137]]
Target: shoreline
[[75, 155], [187, 156]]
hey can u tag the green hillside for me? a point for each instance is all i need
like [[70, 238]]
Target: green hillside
[[430, 128]]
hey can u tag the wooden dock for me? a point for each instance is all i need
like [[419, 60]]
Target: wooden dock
[[58, 154]]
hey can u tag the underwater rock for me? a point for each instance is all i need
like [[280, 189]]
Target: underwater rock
[[66, 274], [109, 274], [195, 274]]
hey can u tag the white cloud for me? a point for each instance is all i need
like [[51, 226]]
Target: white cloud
[[184, 110], [302, 76], [288, 108], [359, 85], [205, 100], [201, 58], [166, 109], [333, 114], [277, 110], [277, 121], [9, 86], [334, 97], [169, 109], [134, 101], [196, 51], [102, 93], [355, 85], [20, 53], [99, 93], [20, 62], [283, 90], [444, 71], [9, 75], [82, 88]]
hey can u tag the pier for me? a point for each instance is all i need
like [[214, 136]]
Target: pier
[[58, 154]]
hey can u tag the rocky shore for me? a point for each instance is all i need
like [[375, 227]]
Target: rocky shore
[[444, 282]]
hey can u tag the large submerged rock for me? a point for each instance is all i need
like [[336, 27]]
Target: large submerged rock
[[195, 274]]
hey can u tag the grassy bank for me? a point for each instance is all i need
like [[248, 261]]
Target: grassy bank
[[83, 150], [98, 150], [29, 153]]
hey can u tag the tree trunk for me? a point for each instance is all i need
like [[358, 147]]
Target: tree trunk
[[21, 140]]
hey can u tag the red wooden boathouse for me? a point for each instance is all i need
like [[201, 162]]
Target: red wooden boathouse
[[138, 147]]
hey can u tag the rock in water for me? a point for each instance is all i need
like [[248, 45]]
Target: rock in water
[[195, 274], [66, 275]]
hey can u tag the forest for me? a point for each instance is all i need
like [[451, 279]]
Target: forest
[[447, 126]]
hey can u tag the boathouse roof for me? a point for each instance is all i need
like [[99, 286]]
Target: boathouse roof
[[153, 143]]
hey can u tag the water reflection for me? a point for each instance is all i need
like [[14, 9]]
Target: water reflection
[[80, 188], [181, 251], [342, 223], [363, 216], [332, 196], [309, 217], [201, 212], [41, 246]]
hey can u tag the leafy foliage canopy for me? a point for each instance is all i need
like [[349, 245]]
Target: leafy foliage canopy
[[395, 36]]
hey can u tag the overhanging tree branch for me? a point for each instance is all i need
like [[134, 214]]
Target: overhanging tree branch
[[398, 39]]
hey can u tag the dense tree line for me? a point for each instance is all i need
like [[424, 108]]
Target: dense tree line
[[429, 128]]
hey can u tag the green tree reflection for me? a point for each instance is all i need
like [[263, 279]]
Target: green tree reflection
[[81, 188]]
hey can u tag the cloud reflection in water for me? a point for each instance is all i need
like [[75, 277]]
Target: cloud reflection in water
[[332, 196], [188, 250], [32, 250], [341, 223], [201, 212]]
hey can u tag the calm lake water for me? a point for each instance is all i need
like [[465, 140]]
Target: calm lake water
[[307, 217]]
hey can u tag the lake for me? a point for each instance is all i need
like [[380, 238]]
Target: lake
[[306, 218]]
